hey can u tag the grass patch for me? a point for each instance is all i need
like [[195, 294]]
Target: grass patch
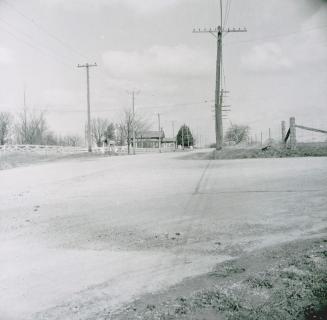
[[302, 150], [290, 284]]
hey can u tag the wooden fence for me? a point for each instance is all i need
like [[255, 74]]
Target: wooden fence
[[120, 150], [290, 135]]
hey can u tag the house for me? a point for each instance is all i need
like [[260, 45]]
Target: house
[[149, 139]]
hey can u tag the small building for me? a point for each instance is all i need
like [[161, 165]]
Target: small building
[[169, 143], [149, 139]]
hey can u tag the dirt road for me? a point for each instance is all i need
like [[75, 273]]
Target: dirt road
[[83, 236]]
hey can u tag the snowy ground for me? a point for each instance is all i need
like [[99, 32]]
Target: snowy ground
[[81, 235]]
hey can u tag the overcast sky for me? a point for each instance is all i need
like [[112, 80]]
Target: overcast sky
[[276, 70]]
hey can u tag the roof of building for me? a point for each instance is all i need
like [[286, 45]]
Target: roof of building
[[151, 134]]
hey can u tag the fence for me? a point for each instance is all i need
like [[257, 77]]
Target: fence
[[289, 137], [41, 148], [120, 150]]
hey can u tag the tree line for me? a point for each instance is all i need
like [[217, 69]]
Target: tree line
[[31, 127]]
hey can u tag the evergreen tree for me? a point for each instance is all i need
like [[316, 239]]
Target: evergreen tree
[[185, 137]]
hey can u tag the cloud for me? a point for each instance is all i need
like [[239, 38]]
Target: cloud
[[266, 57], [139, 6], [57, 96], [148, 6], [159, 62], [6, 56]]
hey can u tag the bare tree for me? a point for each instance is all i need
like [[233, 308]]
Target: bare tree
[[98, 130], [5, 126], [69, 140], [237, 133], [125, 127], [72, 140], [102, 130], [31, 127]]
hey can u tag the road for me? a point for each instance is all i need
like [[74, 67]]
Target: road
[[81, 237]]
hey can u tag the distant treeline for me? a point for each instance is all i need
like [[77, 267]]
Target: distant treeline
[[31, 127]]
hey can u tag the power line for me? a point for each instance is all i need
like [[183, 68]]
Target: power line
[[280, 35], [71, 109], [44, 30], [30, 38], [31, 45], [228, 6]]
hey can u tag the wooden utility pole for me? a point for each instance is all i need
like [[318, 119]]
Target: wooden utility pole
[[89, 138], [292, 133], [173, 127], [133, 98], [24, 140], [129, 134], [133, 93], [159, 127], [188, 138], [218, 34]]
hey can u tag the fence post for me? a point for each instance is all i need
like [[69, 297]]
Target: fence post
[[292, 133], [283, 133]]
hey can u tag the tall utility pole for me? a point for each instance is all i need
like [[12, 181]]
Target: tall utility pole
[[25, 118], [24, 96], [218, 34], [159, 127], [89, 138], [133, 93], [173, 127]]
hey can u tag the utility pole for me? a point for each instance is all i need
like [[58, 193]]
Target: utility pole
[[24, 96], [188, 138], [133, 101], [89, 138], [159, 127], [173, 127], [218, 34], [133, 94], [129, 134], [25, 118]]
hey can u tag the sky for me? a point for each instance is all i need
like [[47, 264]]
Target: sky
[[277, 69]]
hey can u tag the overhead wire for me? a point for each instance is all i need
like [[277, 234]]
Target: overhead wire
[[139, 107], [36, 48], [277, 35], [229, 2], [14, 29], [44, 30]]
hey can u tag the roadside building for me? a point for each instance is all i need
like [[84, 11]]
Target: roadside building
[[149, 139]]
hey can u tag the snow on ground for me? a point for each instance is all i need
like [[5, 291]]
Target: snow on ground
[[81, 234]]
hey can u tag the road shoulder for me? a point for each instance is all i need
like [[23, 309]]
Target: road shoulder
[[281, 282]]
